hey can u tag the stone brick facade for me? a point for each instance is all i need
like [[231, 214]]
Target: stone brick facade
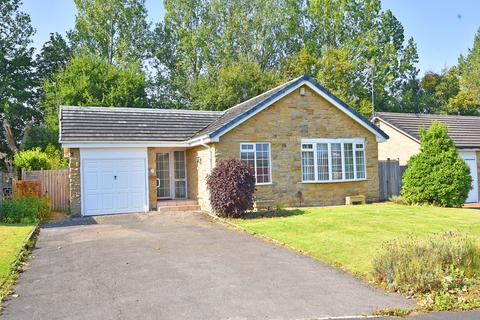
[[200, 161], [75, 191], [284, 124]]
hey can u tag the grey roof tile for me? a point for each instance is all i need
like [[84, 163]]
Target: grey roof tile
[[464, 130], [97, 124]]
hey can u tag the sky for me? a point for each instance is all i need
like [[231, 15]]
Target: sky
[[442, 29]]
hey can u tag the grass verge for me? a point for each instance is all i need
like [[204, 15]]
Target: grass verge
[[15, 243]]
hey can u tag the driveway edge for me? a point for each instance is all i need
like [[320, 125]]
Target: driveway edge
[[338, 268]]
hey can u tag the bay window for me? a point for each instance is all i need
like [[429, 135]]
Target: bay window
[[330, 160], [257, 155]]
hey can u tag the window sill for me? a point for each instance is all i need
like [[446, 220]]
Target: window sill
[[264, 184], [334, 181]]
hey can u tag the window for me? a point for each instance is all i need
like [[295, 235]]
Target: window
[[327, 160], [257, 155]]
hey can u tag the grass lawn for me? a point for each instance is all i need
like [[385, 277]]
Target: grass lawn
[[11, 240], [350, 236]]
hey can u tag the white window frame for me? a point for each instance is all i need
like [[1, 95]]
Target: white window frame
[[255, 160], [342, 141]]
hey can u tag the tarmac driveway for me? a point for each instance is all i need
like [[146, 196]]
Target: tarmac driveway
[[179, 266]]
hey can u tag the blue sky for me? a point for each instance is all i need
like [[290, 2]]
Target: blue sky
[[442, 29]]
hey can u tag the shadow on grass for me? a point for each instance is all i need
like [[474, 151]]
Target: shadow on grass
[[273, 214]]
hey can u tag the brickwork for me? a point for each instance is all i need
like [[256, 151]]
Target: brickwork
[[75, 192], [284, 124], [200, 160]]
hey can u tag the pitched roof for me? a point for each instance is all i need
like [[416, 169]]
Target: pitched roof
[[97, 124], [464, 130], [244, 110]]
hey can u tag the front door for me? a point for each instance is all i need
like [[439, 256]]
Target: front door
[[171, 175]]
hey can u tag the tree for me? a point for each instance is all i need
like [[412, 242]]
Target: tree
[[470, 69], [115, 30], [54, 56], [91, 81], [437, 175], [467, 100], [198, 40], [17, 78], [232, 85]]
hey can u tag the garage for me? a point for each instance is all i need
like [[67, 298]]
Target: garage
[[113, 180], [470, 158]]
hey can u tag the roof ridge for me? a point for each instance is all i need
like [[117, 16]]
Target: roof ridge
[[265, 93], [134, 109], [427, 114]]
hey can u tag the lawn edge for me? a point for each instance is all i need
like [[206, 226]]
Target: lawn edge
[[17, 265], [337, 267]]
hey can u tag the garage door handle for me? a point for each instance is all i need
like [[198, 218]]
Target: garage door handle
[[115, 177], [158, 183]]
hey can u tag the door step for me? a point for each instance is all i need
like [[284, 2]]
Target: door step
[[177, 205]]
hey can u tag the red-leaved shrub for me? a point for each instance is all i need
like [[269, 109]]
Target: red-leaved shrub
[[231, 186]]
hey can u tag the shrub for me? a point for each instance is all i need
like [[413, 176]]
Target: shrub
[[437, 175], [415, 266], [24, 210], [36, 159], [397, 200], [231, 185]]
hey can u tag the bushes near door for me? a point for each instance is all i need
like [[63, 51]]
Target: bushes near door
[[231, 185], [26, 210], [437, 175]]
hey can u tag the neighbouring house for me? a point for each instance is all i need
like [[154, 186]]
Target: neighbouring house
[[307, 147], [404, 132]]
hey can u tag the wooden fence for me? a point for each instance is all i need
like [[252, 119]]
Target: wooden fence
[[54, 184], [390, 178]]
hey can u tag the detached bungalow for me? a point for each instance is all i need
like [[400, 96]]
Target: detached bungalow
[[307, 147], [404, 132]]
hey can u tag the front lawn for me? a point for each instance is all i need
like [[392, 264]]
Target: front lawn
[[12, 238], [349, 236]]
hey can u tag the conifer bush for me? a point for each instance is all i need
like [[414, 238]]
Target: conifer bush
[[437, 175]]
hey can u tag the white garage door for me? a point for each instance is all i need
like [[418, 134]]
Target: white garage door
[[113, 185], [470, 159]]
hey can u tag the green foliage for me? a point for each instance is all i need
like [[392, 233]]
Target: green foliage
[[437, 175], [441, 271], [397, 200], [200, 41], [17, 78], [113, 30], [414, 265], [91, 81], [41, 136], [234, 84], [24, 210], [54, 56], [36, 159], [470, 70]]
